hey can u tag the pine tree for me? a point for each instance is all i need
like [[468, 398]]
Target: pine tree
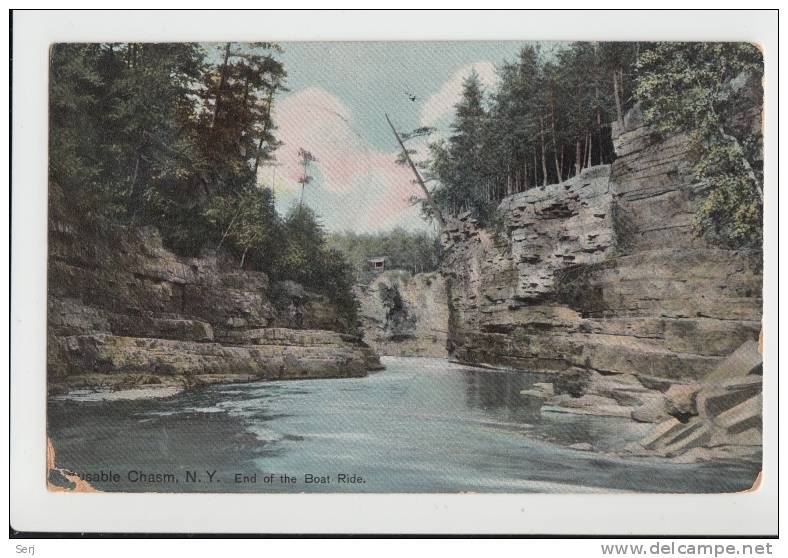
[[459, 164]]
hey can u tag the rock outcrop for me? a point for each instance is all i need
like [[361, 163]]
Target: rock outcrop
[[720, 417], [602, 280], [405, 315], [123, 310]]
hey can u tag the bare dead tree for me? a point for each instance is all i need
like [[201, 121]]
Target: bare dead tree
[[305, 157]]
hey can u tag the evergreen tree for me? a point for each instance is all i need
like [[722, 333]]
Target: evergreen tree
[[154, 134], [548, 119], [460, 164], [76, 159]]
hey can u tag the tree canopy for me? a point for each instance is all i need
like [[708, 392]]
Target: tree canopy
[[547, 119], [550, 116], [173, 136], [414, 251]]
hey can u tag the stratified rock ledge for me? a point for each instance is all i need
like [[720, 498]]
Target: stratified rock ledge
[[602, 282], [124, 312]]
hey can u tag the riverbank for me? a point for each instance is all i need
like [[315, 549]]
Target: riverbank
[[123, 311], [717, 417]]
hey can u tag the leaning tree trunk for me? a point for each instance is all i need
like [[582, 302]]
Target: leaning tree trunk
[[436, 212], [222, 81], [544, 158], [617, 95]]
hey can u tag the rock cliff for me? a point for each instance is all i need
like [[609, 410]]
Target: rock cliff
[[405, 315], [602, 280], [602, 272], [123, 311]]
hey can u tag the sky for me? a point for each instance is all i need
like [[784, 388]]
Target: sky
[[338, 95]]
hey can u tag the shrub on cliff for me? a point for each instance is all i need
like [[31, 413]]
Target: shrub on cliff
[[703, 89]]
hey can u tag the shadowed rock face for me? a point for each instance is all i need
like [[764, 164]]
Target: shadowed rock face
[[125, 310], [405, 315], [602, 278]]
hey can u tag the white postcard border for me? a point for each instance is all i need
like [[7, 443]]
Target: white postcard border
[[33, 508]]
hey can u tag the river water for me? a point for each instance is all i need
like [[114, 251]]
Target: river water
[[422, 425]]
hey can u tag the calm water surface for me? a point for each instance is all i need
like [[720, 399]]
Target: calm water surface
[[422, 425]]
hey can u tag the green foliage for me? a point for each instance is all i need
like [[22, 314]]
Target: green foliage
[[460, 163], [76, 161], [136, 137], [247, 224], [549, 116], [415, 251], [702, 89], [308, 259], [155, 134], [547, 120]]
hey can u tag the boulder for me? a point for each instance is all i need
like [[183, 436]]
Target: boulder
[[722, 416], [693, 435], [721, 396], [663, 431], [745, 416], [680, 400], [595, 405]]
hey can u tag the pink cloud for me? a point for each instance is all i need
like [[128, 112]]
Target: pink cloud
[[377, 190], [392, 207], [319, 122]]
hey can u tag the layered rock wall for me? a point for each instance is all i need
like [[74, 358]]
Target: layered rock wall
[[405, 315], [122, 310], [603, 274]]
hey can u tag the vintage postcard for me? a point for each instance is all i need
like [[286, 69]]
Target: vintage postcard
[[405, 267]]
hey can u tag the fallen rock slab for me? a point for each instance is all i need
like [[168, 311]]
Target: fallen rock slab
[[744, 360]]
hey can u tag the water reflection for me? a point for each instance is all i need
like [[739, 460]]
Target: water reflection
[[499, 391]]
